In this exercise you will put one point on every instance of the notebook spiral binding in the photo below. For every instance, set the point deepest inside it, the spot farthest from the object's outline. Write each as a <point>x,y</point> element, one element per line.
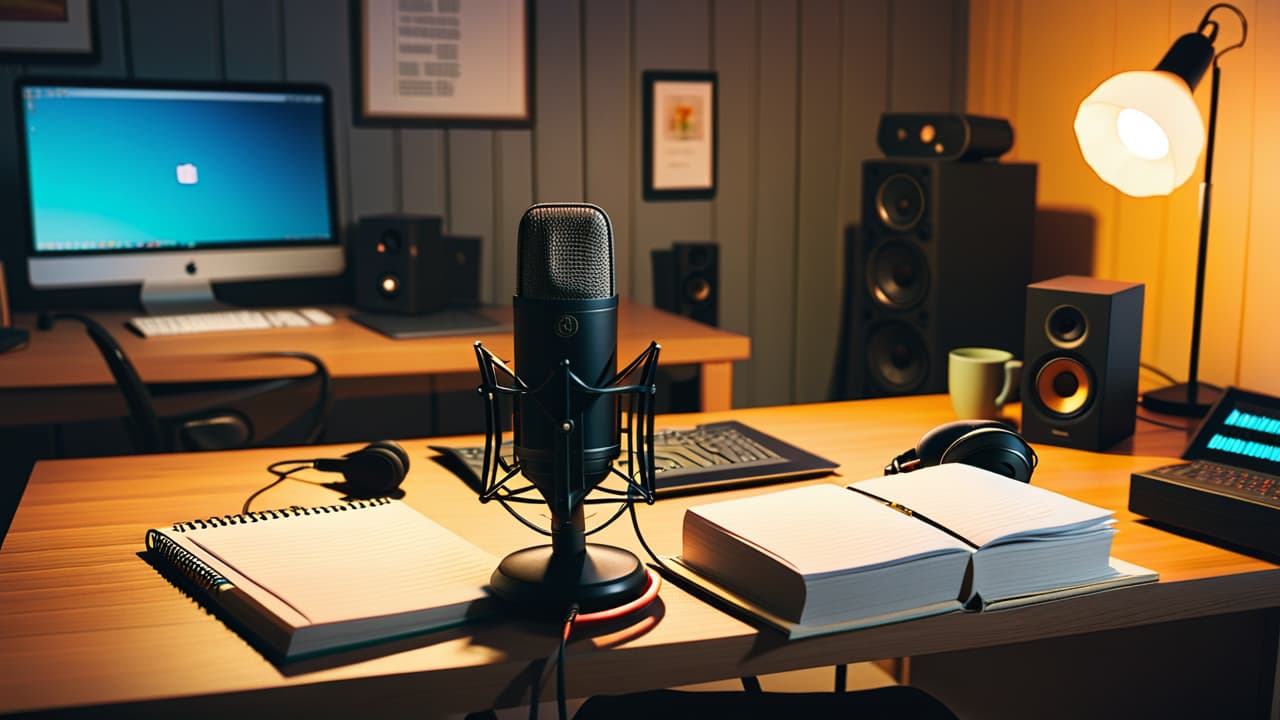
<point>192,567</point>
<point>278,513</point>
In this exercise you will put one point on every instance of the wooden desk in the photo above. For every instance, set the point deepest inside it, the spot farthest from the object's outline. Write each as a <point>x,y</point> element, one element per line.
<point>63,360</point>
<point>85,621</point>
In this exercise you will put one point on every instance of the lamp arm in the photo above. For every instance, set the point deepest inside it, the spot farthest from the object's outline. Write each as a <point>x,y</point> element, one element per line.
<point>1206,22</point>
<point>1193,370</point>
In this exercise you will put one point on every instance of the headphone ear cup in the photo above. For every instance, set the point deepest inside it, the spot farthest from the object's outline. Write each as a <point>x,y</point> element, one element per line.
<point>937,441</point>
<point>395,448</point>
<point>373,471</point>
<point>997,449</point>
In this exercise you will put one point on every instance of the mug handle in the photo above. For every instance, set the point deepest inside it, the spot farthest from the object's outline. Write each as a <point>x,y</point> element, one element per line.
<point>1012,379</point>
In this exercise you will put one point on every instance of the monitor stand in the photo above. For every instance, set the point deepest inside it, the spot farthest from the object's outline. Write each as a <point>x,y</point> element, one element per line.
<point>175,298</point>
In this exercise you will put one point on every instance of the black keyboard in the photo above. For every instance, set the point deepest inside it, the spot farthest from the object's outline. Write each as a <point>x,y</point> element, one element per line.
<point>681,452</point>
<point>1232,480</point>
<point>1221,502</point>
<point>1229,488</point>
<point>690,459</point>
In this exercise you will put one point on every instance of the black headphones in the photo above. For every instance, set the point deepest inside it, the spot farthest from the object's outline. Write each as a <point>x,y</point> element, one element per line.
<point>987,444</point>
<point>374,470</point>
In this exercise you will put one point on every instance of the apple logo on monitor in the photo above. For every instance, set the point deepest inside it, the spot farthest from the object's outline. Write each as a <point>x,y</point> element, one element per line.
<point>187,174</point>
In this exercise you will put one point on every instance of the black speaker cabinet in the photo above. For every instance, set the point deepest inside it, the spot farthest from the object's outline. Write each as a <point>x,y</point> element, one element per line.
<point>943,136</point>
<point>942,260</point>
<point>686,281</point>
<point>1080,372</point>
<point>401,265</point>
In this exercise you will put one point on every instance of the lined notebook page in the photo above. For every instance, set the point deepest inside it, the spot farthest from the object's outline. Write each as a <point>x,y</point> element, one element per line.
<point>826,528</point>
<point>357,563</point>
<point>983,506</point>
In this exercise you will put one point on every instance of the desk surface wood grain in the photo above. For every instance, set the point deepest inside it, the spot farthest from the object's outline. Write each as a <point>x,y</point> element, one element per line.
<point>84,620</point>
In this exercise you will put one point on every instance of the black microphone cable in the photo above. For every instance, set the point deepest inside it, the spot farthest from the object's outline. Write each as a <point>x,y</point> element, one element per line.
<point>573,616</point>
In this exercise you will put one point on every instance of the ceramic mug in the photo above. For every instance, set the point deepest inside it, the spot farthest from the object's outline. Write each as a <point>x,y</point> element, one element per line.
<point>981,380</point>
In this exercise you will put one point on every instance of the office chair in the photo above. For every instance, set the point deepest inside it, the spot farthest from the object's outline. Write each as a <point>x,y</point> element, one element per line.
<point>204,417</point>
<point>895,702</point>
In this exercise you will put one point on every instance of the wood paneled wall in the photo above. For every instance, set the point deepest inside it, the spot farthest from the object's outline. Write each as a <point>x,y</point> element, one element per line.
<point>802,86</point>
<point>1033,62</point>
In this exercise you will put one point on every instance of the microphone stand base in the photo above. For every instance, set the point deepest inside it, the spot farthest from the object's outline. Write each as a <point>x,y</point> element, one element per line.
<point>540,582</point>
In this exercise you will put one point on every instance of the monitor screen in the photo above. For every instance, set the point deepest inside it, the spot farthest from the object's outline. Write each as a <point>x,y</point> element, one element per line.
<point>176,184</point>
<point>1242,430</point>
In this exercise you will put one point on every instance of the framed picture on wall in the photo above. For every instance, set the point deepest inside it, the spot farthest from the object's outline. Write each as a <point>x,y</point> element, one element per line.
<point>679,135</point>
<point>443,63</point>
<point>42,31</point>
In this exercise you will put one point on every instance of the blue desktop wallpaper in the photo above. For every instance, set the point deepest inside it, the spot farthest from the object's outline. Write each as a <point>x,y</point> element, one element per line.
<point>105,173</point>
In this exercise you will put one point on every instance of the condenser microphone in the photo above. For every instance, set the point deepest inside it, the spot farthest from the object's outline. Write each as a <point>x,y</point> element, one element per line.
<point>567,414</point>
<point>565,312</point>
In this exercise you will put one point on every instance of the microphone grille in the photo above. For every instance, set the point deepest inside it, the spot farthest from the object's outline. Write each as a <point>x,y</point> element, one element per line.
<point>565,253</point>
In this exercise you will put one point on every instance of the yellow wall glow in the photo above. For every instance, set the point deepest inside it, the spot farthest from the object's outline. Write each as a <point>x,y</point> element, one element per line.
<point>1033,62</point>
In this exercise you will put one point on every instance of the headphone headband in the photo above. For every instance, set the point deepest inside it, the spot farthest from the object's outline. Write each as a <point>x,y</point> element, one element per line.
<point>986,444</point>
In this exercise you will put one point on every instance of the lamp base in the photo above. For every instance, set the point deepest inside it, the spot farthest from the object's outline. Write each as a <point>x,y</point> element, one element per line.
<point>539,582</point>
<point>1178,399</point>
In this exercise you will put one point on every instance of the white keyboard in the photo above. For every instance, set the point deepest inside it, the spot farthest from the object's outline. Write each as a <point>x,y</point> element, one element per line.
<point>228,321</point>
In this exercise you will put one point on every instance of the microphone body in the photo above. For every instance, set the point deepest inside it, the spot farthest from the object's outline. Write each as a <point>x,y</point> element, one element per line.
<point>549,333</point>
<point>566,343</point>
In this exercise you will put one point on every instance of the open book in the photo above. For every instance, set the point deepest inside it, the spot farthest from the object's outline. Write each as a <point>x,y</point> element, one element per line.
<point>825,558</point>
<point>308,580</point>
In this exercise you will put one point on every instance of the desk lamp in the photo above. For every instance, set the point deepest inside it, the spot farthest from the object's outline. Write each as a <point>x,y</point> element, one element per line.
<point>1141,132</point>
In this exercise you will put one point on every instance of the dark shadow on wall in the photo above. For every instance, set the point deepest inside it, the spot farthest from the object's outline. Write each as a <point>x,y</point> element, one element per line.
<point>1064,243</point>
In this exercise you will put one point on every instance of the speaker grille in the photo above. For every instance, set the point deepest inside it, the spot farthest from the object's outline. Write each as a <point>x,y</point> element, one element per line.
<point>565,253</point>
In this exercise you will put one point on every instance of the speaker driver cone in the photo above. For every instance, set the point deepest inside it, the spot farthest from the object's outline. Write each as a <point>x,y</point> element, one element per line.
<point>697,289</point>
<point>1063,386</point>
<point>897,357</point>
<point>897,275</point>
<point>1066,326</point>
<point>900,202</point>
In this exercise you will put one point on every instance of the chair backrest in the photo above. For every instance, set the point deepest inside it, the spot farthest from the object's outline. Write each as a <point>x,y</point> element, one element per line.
<point>198,417</point>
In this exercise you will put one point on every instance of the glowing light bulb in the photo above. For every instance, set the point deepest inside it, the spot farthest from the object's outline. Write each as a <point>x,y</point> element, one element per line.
<point>1141,135</point>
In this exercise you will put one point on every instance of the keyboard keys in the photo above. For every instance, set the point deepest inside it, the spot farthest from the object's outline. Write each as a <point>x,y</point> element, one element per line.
<point>1234,480</point>
<point>228,321</point>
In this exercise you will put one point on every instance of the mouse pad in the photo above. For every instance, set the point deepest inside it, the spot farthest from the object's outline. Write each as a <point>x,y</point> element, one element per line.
<point>443,322</point>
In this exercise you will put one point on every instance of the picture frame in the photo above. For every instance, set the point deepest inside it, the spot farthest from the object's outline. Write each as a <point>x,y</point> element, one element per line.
<point>451,63</point>
<point>680,135</point>
<point>48,31</point>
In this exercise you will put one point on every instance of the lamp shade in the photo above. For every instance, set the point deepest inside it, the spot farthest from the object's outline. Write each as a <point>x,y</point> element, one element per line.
<point>1141,132</point>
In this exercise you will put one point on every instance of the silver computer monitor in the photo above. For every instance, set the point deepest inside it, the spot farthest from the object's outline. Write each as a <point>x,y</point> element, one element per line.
<point>176,185</point>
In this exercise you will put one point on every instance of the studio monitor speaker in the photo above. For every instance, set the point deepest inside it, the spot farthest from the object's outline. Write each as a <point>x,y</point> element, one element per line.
<point>1080,374</point>
<point>941,260</point>
<point>405,264</point>
<point>944,136</point>
<point>686,281</point>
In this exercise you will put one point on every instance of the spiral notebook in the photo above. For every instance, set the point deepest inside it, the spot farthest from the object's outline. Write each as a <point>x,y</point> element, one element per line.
<point>303,581</point>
